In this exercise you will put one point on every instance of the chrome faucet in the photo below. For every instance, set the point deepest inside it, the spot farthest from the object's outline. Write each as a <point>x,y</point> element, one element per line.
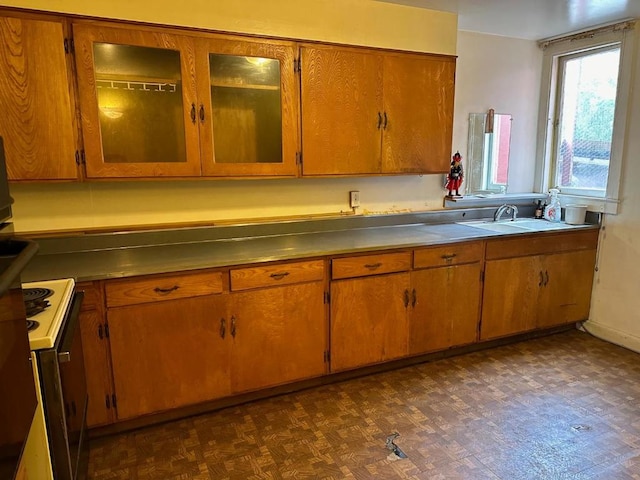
<point>508,209</point>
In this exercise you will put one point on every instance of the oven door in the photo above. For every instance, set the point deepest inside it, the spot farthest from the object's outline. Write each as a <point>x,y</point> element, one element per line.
<point>65,398</point>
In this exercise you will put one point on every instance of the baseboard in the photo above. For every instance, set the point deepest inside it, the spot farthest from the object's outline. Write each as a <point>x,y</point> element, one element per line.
<point>604,332</point>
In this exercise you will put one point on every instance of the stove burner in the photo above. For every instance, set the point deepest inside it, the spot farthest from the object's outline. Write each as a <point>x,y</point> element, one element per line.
<point>32,325</point>
<point>34,300</point>
<point>34,294</point>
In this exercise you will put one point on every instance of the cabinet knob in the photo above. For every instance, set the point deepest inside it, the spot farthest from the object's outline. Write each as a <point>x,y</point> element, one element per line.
<point>414,298</point>
<point>233,326</point>
<point>193,113</point>
<point>201,113</point>
<point>384,127</point>
<point>406,298</point>
<point>379,120</point>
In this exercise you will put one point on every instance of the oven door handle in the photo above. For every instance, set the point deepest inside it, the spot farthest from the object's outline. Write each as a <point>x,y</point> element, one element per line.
<point>72,322</point>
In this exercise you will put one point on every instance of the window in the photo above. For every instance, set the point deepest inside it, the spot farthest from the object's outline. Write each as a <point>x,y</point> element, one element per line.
<point>583,113</point>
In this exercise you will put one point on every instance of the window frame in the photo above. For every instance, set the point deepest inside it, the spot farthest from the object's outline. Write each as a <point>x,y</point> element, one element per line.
<point>554,51</point>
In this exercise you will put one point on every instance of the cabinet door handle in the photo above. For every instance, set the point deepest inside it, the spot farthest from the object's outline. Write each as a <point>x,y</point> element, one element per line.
<point>379,120</point>
<point>414,298</point>
<point>233,326</point>
<point>193,113</point>
<point>541,278</point>
<point>406,298</point>
<point>202,113</point>
<point>107,401</point>
<point>279,276</point>
<point>164,291</point>
<point>384,127</point>
<point>223,327</point>
<point>546,278</point>
<point>373,266</point>
<point>100,335</point>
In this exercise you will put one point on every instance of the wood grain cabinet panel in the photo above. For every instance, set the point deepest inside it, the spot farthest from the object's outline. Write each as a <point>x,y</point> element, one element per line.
<point>453,254</point>
<point>418,113</point>
<point>97,356</point>
<point>365,265</point>
<point>539,288</point>
<point>37,123</point>
<point>341,111</point>
<point>159,288</point>
<point>373,112</point>
<point>445,307</point>
<point>274,275</point>
<point>369,320</point>
<point>280,335</point>
<point>169,354</point>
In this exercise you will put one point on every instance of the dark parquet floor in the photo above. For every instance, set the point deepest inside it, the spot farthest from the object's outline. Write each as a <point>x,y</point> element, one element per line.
<point>560,407</point>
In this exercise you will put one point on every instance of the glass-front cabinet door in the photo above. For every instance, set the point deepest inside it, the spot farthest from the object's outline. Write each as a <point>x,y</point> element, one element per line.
<point>138,102</point>
<point>248,113</point>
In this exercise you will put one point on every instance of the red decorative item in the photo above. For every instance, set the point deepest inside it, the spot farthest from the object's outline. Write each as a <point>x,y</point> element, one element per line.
<point>455,176</point>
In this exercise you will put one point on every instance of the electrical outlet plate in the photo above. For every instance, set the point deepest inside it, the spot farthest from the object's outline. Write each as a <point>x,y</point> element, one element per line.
<point>354,198</point>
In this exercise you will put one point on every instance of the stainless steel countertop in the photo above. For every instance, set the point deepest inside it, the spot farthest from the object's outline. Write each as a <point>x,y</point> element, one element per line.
<point>95,257</point>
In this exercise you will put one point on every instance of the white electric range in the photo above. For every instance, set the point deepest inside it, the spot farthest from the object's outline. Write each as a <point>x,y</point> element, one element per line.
<point>58,452</point>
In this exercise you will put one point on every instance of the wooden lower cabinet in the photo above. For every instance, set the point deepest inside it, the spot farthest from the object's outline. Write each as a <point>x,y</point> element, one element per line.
<point>369,320</point>
<point>169,354</point>
<point>567,291</point>
<point>526,292</point>
<point>510,299</point>
<point>280,335</point>
<point>97,356</point>
<point>445,307</point>
<point>174,353</point>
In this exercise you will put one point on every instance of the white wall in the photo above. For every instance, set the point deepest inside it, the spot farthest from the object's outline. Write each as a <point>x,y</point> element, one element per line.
<point>504,74</point>
<point>482,60</point>
<point>615,305</point>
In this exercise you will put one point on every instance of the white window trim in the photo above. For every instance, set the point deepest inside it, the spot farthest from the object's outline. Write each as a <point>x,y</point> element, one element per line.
<point>623,34</point>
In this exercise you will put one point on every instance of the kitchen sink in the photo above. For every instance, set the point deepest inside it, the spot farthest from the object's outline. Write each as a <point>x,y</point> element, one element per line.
<point>514,226</point>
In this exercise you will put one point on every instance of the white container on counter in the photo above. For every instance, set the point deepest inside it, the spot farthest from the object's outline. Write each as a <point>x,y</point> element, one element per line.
<point>575,214</point>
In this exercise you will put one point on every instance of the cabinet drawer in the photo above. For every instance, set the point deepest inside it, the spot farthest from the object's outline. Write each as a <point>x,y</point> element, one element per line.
<point>443,256</point>
<point>370,265</point>
<point>272,275</point>
<point>541,244</point>
<point>153,289</point>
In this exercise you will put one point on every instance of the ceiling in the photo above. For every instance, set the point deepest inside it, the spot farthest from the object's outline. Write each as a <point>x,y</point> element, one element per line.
<point>531,19</point>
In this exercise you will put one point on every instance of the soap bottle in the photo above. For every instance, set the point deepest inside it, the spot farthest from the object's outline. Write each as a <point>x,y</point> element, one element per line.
<point>553,211</point>
<point>538,212</point>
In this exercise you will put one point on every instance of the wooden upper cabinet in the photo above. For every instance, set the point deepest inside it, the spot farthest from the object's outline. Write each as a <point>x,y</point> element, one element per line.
<point>373,112</point>
<point>341,111</point>
<point>418,113</point>
<point>248,107</point>
<point>138,101</point>
<point>37,122</point>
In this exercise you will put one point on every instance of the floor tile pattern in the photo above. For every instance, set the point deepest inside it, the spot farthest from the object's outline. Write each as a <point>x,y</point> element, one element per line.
<point>560,407</point>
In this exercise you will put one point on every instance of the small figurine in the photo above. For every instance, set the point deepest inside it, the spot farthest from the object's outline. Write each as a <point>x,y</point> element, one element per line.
<point>456,174</point>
